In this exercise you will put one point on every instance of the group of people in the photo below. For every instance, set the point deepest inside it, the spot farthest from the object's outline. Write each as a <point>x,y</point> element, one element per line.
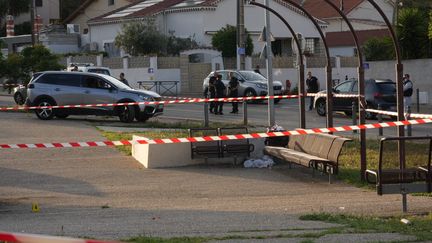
<point>217,89</point>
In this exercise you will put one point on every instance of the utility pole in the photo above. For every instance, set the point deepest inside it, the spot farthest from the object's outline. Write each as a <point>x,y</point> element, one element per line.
<point>269,63</point>
<point>241,46</point>
<point>32,22</point>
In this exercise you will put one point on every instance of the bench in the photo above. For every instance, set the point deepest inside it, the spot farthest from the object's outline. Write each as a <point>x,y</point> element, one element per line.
<point>219,149</point>
<point>316,151</point>
<point>403,179</point>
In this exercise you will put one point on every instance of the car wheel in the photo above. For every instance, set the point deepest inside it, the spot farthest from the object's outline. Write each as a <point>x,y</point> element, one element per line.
<point>126,113</point>
<point>321,107</point>
<point>47,113</point>
<point>250,93</point>
<point>142,117</point>
<point>277,101</point>
<point>19,99</point>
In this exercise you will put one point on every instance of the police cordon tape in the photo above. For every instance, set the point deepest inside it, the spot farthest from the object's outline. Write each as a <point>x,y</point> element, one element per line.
<point>33,238</point>
<point>393,113</point>
<point>192,100</point>
<point>216,138</point>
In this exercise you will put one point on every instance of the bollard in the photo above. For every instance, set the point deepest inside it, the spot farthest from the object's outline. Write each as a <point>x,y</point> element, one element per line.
<point>380,130</point>
<point>245,116</point>
<point>407,117</point>
<point>354,114</point>
<point>206,114</point>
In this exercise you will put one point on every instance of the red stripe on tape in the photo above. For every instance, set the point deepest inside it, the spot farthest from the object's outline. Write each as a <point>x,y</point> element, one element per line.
<point>216,138</point>
<point>8,237</point>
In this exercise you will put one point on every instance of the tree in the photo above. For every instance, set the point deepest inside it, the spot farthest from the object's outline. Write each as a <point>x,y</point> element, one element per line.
<point>39,58</point>
<point>19,66</point>
<point>378,49</point>
<point>225,40</point>
<point>140,38</point>
<point>412,32</point>
<point>13,7</point>
<point>176,45</point>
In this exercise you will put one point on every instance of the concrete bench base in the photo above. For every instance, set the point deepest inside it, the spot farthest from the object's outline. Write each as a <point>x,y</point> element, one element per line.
<point>153,156</point>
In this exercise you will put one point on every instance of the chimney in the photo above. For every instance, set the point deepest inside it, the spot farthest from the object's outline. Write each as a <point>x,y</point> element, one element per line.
<point>10,26</point>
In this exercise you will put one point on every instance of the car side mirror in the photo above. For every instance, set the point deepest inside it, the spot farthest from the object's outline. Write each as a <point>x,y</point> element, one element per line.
<point>336,91</point>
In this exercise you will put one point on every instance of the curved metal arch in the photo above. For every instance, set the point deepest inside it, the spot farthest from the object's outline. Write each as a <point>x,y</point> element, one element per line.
<point>361,90</point>
<point>301,64</point>
<point>329,83</point>
<point>399,90</point>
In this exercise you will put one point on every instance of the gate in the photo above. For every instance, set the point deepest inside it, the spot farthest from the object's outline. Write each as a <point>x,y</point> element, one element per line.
<point>197,72</point>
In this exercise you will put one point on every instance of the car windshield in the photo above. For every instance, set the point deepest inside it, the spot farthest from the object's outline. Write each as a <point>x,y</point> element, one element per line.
<point>119,84</point>
<point>252,76</point>
<point>387,88</point>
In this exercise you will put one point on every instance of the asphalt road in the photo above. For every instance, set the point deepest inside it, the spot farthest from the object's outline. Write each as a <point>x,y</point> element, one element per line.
<point>101,193</point>
<point>286,115</point>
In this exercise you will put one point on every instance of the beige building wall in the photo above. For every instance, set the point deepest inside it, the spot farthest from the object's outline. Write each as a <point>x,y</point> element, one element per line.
<point>95,9</point>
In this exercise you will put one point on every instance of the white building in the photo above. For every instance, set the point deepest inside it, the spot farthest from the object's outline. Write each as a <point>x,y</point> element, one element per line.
<point>200,19</point>
<point>49,10</point>
<point>364,18</point>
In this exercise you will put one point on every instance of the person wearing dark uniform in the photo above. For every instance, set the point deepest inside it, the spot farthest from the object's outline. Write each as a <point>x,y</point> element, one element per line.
<point>210,92</point>
<point>233,92</point>
<point>220,93</point>
<point>312,87</point>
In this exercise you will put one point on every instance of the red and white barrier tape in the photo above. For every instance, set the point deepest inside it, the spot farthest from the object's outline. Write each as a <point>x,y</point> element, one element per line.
<point>191,100</point>
<point>11,85</point>
<point>177,97</point>
<point>33,238</point>
<point>393,113</point>
<point>216,138</point>
<point>195,100</point>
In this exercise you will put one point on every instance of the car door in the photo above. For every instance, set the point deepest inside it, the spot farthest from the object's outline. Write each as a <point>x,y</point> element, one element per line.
<point>341,103</point>
<point>65,88</point>
<point>96,90</point>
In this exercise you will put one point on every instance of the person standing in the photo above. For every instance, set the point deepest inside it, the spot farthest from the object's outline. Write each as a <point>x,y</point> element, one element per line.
<point>123,80</point>
<point>220,93</point>
<point>312,87</point>
<point>210,93</point>
<point>257,69</point>
<point>407,93</point>
<point>233,92</point>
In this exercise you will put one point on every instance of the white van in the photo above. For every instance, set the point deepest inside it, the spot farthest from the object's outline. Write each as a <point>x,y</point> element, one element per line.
<point>89,68</point>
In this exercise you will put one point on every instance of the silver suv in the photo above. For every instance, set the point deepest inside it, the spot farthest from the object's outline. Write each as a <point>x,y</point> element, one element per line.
<point>76,88</point>
<point>251,83</point>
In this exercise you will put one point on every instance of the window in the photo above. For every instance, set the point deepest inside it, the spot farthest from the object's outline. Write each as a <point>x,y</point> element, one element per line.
<point>61,79</point>
<point>309,46</point>
<point>110,2</point>
<point>95,83</point>
<point>344,87</point>
<point>38,3</point>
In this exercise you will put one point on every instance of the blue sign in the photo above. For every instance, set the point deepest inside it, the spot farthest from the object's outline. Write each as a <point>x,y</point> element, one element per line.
<point>241,51</point>
<point>150,70</point>
<point>366,65</point>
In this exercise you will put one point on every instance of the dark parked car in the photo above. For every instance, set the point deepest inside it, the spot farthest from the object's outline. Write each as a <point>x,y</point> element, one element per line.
<point>380,92</point>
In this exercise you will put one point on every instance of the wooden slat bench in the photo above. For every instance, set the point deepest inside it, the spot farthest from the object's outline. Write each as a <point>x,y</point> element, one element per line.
<point>316,151</point>
<point>219,149</point>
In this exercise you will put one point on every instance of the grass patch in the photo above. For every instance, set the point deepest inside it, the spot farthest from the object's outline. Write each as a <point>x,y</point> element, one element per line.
<point>420,227</point>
